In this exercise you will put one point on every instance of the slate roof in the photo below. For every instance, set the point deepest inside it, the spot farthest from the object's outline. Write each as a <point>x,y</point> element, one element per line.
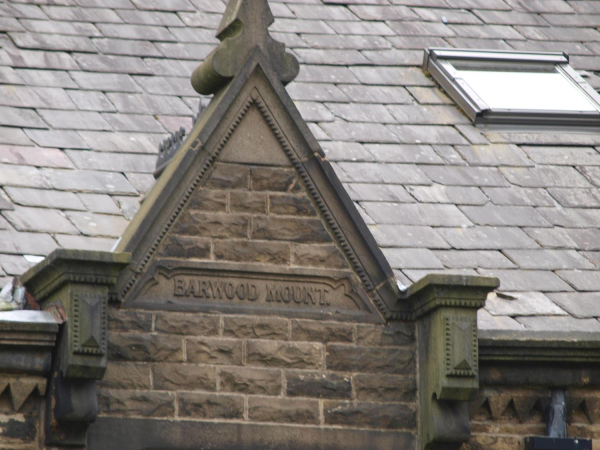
<point>88,89</point>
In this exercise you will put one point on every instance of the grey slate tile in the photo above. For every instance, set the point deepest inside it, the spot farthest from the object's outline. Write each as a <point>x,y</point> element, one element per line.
<point>544,138</point>
<point>473,259</point>
<point>429,115</point>
<point>566,323</point>
<point>591,173</point>
<point>579,304</point>
<point>10,76</point>
<point>52,42</point>
<point>541,6</point>
<point>516,196</point>
<point>301,26</point>
<point>486,32</point>
<point>201,19</point>
<point>487,238</point>
<point>121,4</point>
<point>91,224</point>
<point>576,198</point>
<point>193,52</point>
<point>13,136</point>
<point>34,156</point>
<point>150,104</point>
<point>572,217</point>
<point>133,122</point>
<point>421,29</point>
<point>112,64</point>
<point>417,274</point>
<point>394,57</point>
<point>383,12</point>
<point>74,120</point>
<point>150,18</point>
<point>559,33</point>
<point>319,12</point>
<point>39,220</point>
<point>528,280</point>
<point>26,243</point>
<point>37,59</point>
<point>129,206</point>
<point>520,216</point>
<point>571,48</point>
<point>314,112</point>
<point>70,28</point>
<point>389,173</point>
<point>465,176</point>
<point>581,280</point>
<point>137,32</point>
<point>90,101</point>
<point>393,76</point>
<point>345,151</point>
<point>325,74</point>
<point>449,155</point>
<point>412,258</point>
<point>195,35</point>
<point>548,259</point>
<point>24,176</point>
<point>347,42</point>
<point>163,5</point>
<point>485,321</point>
<point>568,20</point>
<point>427,134</point>
<point>407,237</point>
<point>426,214</point>
<point>447,16</point>
<point>142,182</point>
<point>330,56</point>
<point>378,193</point>
<point>112,162</point>
<point>551,237</point>
<point>494,155</point>
<point>122,142</point>
<point>88,181</point>
<point>5,201</point>
<point>35,97</point>
<point>85,242</point>
<point>375,94</point>
<point>392,153</point>
<point>364,113</point>
<point>166,85</point>
<point>47,78</point>
<point>594,257</point>
<point>474,43</point>
<point>170,68</point>
<point>358,132</point>
<point>522,304</point>
<point>567,156</point>
<point>585,239</point>
<point>44,198</point>
<point>56,138</point>
<point>81,14</point>
<point>19,117</point>
<point>457,195</point>
<point>111,82</point>
<point>427,96</point>
<point>361,28</point>
<point>417,42</point>
<point>510,18</point>
<point>555,176</point>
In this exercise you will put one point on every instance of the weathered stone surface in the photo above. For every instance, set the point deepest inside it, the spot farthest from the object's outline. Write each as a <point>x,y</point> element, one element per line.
<point>144,347</point>
<point>136,403</point>
<point>296,355</point>
<point>246,380</point>
<point>307,330</point>
<point>185,247</point>
<point>255,328</point>
<point>347,358</point>
<point>127,376</point>
<point>369,415</point>
<point>289,229</point>
<point>396,333</point>
<point>252,251</point>
<point>384,388</point>
<point>208,200</point>
<point>248,202</point>
<point>187,324</point>
<point>283,410</point>
<point>318,256</point>
<point>228,176</point>
<point>212,225</point>
<point>291,205</point>
<point>318,384</point>
<point>124,320</point>
<point>214,351</point>
<point>188,377</point>
<point>274,179</point>
<point>211,406</point>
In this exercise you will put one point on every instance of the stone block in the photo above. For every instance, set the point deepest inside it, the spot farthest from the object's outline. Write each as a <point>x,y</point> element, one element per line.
<point>274,179</point>
<point>185,247</point>
<point>184,377</point>
<point>283,410</point>
<point>296,355</point>
<point>187,324</point>
<point>312,255</point>
<point>126,376</point>
<point>394,334</point>
<point>349,358</point>
<point>212,225</point>
<point>228,176</point>
<point>289,229</point>
<point>248,202</point>
<point>252,251</point>
<point>125,320</point>
<point>369,415</point>
<point>210,406</point>
<point>255,328</point>
<point>318,384</point>
<point>144,347</point>
<point>214,351</point>
<point>208,201</point>
<point>307,330</point>
<point>136,403</point>
<point>289,205</point>
<point>384,388</point>
<point>245,380</point>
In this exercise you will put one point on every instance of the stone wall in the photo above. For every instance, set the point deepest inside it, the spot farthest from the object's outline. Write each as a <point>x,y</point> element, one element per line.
<point>21,427</point>
<point>260,369</point>
<point>502,416</point>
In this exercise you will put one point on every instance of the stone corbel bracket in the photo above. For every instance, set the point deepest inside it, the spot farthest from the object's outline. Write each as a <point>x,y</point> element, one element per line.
<point>78,283</point>
<point>445,308</point>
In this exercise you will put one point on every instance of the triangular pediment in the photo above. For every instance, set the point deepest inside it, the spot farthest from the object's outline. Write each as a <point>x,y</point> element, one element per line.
<point>249,217</point>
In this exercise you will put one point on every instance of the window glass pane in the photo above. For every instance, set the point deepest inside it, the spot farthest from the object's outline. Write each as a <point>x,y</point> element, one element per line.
<point>526,91</point>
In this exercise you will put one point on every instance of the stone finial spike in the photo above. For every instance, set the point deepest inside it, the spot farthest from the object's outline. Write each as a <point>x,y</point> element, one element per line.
<point>243,28</point>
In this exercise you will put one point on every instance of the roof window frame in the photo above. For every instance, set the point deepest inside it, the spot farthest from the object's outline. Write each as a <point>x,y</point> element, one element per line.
<point>438,62</point>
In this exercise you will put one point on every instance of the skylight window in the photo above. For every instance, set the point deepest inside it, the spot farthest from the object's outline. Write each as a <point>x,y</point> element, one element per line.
<point>516,88</point>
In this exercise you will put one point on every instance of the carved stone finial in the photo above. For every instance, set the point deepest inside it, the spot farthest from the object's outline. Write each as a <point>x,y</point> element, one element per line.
<point>244,27</point>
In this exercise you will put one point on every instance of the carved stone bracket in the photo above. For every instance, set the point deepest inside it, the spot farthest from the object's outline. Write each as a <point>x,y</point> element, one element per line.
<point>445,308</point>
<point>77,283</point>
